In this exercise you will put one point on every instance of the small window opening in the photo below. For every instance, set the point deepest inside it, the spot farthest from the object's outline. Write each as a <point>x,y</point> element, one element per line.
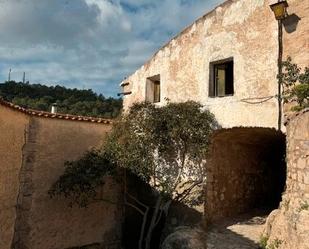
<point>221,78</point>
<point>153,89</point>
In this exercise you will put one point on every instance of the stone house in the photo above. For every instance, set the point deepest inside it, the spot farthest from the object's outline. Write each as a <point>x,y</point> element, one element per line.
<point>33,148</point>
<point>228,61</point>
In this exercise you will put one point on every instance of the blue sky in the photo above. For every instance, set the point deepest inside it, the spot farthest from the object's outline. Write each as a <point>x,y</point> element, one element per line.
<point>88,43</point>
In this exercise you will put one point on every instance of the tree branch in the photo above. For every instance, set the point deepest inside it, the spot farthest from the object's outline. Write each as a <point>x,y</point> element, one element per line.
<point>187,191</point>
<point>137,201</point>
<point>135,207</point>
<point>158,218</point>
<point>107,200</point>
<point>183,160</point>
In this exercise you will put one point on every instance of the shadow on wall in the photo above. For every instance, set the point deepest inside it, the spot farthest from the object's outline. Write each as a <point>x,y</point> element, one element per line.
<point>291,22</point>
<point>178,215</point>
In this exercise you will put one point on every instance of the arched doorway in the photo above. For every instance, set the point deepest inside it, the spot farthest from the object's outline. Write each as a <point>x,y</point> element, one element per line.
<point>246,170</point>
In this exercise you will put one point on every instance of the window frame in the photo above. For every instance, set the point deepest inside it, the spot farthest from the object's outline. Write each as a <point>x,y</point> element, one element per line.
<point>157,87</point>
<point>153,84</point>
<point>212,86</point>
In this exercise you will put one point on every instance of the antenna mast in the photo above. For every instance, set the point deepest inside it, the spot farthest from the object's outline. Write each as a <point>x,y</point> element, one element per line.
<point>9,79</point>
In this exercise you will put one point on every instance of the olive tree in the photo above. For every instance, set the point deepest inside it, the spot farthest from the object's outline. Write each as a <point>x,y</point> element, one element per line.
<point>165,146</point>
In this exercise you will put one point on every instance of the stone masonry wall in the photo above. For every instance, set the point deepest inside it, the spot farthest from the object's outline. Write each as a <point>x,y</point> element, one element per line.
<point>289,225</point>
<point>244,171</point>
<point>49,223</point>
<point>13,131</point>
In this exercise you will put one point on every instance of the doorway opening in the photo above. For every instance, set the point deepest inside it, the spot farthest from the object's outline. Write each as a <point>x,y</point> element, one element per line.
<point>246,171</point>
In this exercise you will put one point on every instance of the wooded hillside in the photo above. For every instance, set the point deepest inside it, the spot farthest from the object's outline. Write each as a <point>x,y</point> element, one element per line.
<point>70,101</point>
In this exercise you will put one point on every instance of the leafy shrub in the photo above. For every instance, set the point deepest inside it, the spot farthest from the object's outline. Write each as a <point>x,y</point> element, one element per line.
<point>296,84</point>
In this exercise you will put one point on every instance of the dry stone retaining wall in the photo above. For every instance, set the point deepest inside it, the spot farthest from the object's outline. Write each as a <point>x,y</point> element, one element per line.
<point>289,225</point>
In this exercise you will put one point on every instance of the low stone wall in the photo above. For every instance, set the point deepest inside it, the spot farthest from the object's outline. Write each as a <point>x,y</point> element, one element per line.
<point>288,226</point>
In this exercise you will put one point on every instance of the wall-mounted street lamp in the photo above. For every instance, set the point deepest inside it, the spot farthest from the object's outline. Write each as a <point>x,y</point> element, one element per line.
<point>280,11</point>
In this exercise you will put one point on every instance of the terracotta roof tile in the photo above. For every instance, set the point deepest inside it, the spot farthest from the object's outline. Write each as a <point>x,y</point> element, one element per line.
<point>53,115</point>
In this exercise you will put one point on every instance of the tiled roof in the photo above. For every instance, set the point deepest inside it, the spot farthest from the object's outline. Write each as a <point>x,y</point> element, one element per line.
<point>43,114</point>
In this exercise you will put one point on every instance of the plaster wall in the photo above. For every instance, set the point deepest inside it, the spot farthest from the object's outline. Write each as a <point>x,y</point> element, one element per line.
<point>13,126</point>
<point>242,29</point>
<point>296,33</point>
<point>296,37</point>
<point>50,223</point>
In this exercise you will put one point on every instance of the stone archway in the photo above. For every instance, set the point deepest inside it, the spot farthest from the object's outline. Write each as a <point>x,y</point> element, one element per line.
<point>246,170</point>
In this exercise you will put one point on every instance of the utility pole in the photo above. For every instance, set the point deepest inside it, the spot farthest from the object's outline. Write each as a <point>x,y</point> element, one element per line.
<point>9,78</point>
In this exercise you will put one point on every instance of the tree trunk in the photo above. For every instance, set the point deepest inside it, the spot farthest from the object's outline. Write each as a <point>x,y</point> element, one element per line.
<point>165,210</point>
<point>141,236</point>
<point>153,222</point>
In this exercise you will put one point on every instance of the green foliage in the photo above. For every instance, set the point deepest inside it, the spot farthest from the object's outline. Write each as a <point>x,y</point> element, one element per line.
<point>70,101</point>
<point>263,242</point>
<point>274,244</point>
<point>166,146</point>
<point>296,84</point>
<point>81,178</point>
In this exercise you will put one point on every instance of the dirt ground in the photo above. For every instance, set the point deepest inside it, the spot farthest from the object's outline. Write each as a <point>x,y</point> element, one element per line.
<point>241,232</point>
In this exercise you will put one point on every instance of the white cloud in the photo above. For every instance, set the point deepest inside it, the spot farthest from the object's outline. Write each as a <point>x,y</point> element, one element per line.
<point>87,43</point>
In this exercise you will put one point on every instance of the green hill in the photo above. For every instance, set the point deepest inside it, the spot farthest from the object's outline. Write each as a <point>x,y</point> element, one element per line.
<point>70,101</point>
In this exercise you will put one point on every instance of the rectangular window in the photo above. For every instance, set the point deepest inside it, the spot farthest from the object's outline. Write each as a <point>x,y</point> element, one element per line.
<point>221,81</point>
<point>156,91</point>
<point>153,89</point>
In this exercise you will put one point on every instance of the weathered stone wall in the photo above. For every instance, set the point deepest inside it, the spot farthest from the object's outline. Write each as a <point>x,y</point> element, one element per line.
<point>290,224</point>
<point>245,170</point>
<point>243,29</point>
<point>13,128</point>
<point>49,223</point>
